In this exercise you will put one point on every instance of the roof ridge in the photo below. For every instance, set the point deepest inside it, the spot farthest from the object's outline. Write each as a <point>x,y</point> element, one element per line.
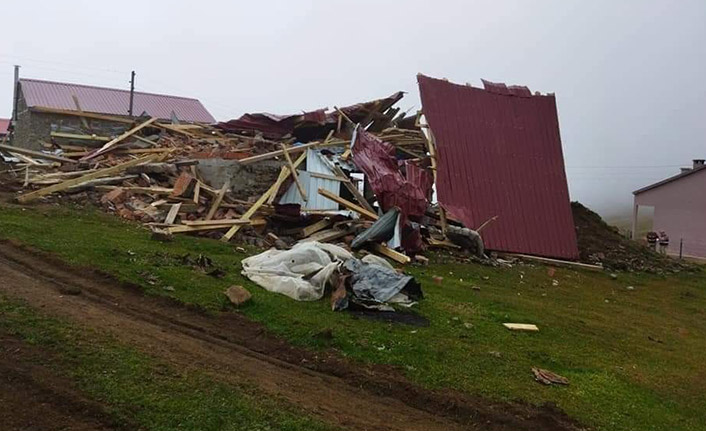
<point>668,180</point>
<point>107,88</point>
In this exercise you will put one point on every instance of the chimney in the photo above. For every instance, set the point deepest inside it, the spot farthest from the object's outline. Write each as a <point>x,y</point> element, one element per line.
<point>699,163</point>
<point>685,170</point>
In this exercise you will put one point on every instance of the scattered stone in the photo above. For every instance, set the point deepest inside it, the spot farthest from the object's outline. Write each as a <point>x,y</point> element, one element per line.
<point>475,287</point>
<point>238,295</point>
<point>630,288</point>
<point>422,260</point>
<point>614,276</point>
<point>495,354</point>
<point>468,325</point>
<point>555,283</point>
<point>114,197</point>
<point>240,249</point>
<point>168,288</point>
<point>438,279</point>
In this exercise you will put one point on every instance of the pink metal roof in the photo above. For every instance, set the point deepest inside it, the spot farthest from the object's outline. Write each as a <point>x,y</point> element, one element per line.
<point>499,154</point>
<point>111,101</point>
<point>4,124</point>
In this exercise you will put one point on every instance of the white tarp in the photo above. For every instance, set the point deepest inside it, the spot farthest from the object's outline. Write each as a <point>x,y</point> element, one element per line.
<point>300,273</point>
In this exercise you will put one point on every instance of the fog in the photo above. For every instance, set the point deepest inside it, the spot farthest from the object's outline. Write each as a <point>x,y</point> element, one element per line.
<point>629,76</point>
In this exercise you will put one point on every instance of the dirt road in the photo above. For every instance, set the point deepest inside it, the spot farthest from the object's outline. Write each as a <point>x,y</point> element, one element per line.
<point>234,349</point>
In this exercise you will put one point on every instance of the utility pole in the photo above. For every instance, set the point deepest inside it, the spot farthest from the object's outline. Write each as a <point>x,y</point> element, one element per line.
<point>16,93</point>
<point>132,91</point>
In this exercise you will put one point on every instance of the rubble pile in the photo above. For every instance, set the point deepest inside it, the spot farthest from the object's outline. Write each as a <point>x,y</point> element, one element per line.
<point>600,243</point>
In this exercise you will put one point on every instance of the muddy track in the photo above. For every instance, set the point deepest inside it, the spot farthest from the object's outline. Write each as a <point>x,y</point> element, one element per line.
<point>235,349</point>
<point>32,398</point>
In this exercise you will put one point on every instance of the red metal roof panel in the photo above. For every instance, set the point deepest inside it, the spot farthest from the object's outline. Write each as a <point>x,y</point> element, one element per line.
<point>111,101</point>
<point>499,154</point>
<point>4,125</point>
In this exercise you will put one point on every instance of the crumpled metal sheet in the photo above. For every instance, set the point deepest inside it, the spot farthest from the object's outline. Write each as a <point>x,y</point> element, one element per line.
<point>382,230</point>
<point>377,161</point>
<point>272,126</point>
<point>419,176</point>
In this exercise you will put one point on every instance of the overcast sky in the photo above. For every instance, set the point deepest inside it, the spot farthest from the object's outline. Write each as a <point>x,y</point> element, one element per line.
<point>630,76</point>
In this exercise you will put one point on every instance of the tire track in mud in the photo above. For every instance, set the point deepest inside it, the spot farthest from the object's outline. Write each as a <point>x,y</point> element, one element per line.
<point>234,349</point>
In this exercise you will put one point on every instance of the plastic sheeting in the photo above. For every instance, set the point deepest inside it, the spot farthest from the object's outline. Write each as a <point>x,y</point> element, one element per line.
<point>300,273</point>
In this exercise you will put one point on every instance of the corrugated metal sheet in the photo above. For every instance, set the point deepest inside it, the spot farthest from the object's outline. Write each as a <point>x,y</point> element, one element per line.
<point>111,101</point>
<point>500,155</point>
<point>315,201</point>
<point>376,159</point>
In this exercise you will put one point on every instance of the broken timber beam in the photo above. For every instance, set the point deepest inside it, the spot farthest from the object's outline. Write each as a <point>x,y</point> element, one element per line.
<point>111,143</point>
<point>217,199</point>
<point>80,137</point>
<point>82,179</point>
<point>284,173</point>
<point>291,150</point>
<point>348,204</point>
<point>555,262</point>
<point>37,154</point>
<point>392,254</point>
<point>293,170</point>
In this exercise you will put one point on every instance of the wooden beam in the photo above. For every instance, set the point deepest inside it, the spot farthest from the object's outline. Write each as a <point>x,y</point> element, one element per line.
<point>392,254</point>
<point>327,235</point>
<point>111,143</point>
<point>172,215</point>
<point>313,228</point>
<point>230,222</point>
<point>174,129</point>
<point>282,177</point>
<point>293,170</point>
<point>284,173</point>
<point>81,114</point>
<point>327,177</point>
<point>348,204</point>
<point>82,179</point>
<point>353,189</point>
<point>197,191</point>
<point>521,327</point>
<point>187,228</point>
<point>153,190</point>
<point>556,262</point>
<point>217,199</point>
<point>37,154</point>
<point>80,137</point>
<point>291,150</point>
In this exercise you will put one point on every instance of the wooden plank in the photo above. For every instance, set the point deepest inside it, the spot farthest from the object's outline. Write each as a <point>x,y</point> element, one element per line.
<point>392,254</point>
<point>556,262</point>
<point>82,114</point>
<point>175,129</point>
<point>282,177</point>
<point>284,173</point>
<point>187,228</point>
<point>521,327</point>
<point>80,137</point>
<point>197,192</point>
<point>446,243</point>
<point>326,177</point>
<point>172,215</point>
<point>313,228</point>
<point>37,154</point>
<point>217,200</point>
<point>111,143</point>
<point>293,170</point>
<point>153,190</point>
<point>353,189</point>
<point>327,235</point>
<point>348,204</point>
<point>82,179</point>
<point>291,150</point>
<point>231,222</point>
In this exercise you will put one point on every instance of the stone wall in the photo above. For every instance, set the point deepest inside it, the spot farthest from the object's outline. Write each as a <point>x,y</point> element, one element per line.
<point>245,180</point>
<point>34,127</point>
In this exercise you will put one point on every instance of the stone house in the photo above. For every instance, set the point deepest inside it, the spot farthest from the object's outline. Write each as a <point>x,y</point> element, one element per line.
<point>39,105</point>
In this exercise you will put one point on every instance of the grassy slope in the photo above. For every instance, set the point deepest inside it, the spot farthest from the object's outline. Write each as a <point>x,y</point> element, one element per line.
<point>142,392</point>
<point>593,330</point>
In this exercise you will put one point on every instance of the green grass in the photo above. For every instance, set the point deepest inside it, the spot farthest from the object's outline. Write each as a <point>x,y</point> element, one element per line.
<point>592,329</point>
<point>141,391</point>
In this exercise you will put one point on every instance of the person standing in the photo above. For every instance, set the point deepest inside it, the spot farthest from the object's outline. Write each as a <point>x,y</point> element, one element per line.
<point>663,242</point>
<point>652,240</point>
